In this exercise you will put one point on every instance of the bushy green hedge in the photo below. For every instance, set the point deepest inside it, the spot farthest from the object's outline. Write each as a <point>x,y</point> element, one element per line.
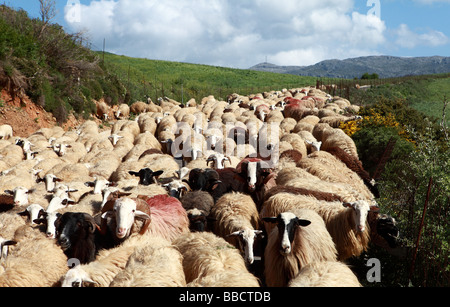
<point>61,73</point>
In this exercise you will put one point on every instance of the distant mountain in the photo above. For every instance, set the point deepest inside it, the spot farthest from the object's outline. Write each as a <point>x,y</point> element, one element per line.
<point>384,66</point>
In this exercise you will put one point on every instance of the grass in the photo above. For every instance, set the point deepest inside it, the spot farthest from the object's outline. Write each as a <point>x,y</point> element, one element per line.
<point>183,81</point>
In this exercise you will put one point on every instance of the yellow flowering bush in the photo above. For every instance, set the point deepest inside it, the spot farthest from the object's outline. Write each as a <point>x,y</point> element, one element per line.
<point>375,119</point>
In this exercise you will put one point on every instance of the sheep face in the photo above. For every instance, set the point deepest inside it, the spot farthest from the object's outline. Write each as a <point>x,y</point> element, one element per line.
<point>175,188</point>
<point>20,195</point>
<point>146,176</point>
<point>219,160</point>
<point>287,223</point>
<point>246,241</point>
<point>49,219</point>
<point>50,181</point>
<point>99,185</point>
<point>75,234</point>
<point>33,212</point>
<point>361,210</point>
<point>125,212</point>
<point>4,247</point>
<point>76,278</point>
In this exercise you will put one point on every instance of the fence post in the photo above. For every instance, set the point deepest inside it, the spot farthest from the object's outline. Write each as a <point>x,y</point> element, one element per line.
<point>420,228</point>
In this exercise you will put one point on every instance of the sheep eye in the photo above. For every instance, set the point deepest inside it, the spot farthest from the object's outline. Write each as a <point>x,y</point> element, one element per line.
<point>76,284</point>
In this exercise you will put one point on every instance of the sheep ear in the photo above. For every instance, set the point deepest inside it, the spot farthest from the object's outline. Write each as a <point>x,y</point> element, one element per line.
<point>142,215</point>
<point>133,173</point>
<point>89,281</point>
<point>272,220</point>
<point>303,223</point>
<point>236,233</point>
<point>23,213</point>
<point>158,173</point>
<point>258,232</point>
<point>348,205</point>
<point>374,208</point>
<point>9,192</point>
<point>31,191</point>
<point>107,214</point>
<point>90,184</point>
<point>10,242</point>
<point>39,221</point>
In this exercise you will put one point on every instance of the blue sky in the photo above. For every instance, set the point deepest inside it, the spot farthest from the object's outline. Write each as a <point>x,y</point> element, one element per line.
<point>242,33</point>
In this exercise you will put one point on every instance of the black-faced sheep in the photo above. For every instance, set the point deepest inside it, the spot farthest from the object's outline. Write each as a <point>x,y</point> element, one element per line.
<point>198,205</point>
<point>76,234</point>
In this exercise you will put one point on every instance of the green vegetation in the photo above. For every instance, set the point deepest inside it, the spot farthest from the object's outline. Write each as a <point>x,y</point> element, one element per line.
<point>416,176</point>
<point>183,81</point>
<point>366,76</point>
<point>52,67</point>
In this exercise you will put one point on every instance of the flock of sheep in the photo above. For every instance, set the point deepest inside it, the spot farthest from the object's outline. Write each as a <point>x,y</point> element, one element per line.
<point>258,190</point>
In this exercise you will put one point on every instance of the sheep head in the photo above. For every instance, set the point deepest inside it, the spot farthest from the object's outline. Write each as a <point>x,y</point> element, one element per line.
<point>361,210</point>
<point>287,223</point>
<point>125,211</point>
<point>247,238</point>
<point>76,278</point>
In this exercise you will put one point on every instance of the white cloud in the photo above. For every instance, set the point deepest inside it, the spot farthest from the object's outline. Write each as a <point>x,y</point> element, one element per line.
<point>231,33</point>
<point>406,38</point>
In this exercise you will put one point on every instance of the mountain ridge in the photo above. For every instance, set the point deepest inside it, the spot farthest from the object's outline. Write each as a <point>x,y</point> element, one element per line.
<point>385,66</point>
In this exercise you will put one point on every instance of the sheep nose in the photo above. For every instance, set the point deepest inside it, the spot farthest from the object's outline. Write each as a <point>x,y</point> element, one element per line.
<point>361,228</point>
<point>49,235</point>
<point>121,232</point>
<point>63,242</point>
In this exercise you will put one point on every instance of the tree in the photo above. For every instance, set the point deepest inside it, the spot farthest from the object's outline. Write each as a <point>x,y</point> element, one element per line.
<point>47,10</point>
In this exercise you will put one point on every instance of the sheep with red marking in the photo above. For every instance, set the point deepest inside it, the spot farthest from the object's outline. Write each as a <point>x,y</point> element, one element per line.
<point>164,216</point>
<point>236,219</point>
<point>300,238</point>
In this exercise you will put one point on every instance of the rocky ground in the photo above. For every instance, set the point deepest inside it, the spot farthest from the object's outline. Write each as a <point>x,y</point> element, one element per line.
<point>25,117</point>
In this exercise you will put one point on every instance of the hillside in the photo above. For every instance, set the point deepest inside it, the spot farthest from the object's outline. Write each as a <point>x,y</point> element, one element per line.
<point>183,81</point>
<point>384,66</point>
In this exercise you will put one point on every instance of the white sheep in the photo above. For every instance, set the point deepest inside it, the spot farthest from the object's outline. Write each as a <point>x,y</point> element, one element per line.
<point>209,261</point>
<point>108,263</point>
<point>156,264</point>
<point>34,261</point>
<point>123,111</point>
<point>6,132</point>
<point>329,168</point>
<point>237,221</point>
<point>325,274</point>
